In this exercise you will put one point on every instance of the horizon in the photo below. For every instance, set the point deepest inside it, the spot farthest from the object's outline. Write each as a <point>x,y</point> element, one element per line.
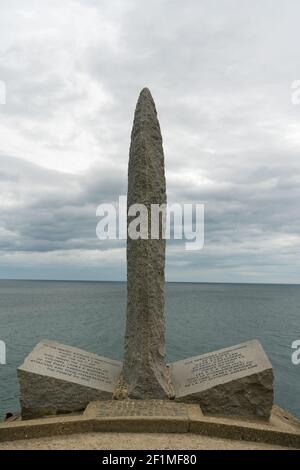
<point>166,281</point>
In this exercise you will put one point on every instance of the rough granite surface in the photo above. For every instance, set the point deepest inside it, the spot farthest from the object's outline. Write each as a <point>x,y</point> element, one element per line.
<point>42,395</point>
<point>250,396</point>
<point>145,370</point>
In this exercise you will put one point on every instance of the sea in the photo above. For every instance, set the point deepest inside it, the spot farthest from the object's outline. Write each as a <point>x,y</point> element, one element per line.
<point>200,318</point>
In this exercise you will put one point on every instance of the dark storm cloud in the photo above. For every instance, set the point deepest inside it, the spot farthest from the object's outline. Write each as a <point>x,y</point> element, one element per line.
<point>221,75</point>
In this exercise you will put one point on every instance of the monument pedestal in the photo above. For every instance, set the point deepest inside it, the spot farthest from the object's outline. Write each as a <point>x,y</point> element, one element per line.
<point>154,416</point>
<point>235,381</point>
<point>144,415</point>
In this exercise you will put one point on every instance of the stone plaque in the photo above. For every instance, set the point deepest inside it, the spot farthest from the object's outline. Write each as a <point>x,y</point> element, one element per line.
<point>56,378</point>
<point>235,380</point>
<point>208,370</point>
<point>142,408</point>
<point>72,364</point>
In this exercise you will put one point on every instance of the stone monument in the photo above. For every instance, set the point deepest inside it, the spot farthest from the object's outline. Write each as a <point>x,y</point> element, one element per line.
<point>144,368</point>
<point>55,378</point>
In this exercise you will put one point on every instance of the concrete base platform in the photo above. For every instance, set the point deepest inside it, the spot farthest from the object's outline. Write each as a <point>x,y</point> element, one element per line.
<point>109,417</point>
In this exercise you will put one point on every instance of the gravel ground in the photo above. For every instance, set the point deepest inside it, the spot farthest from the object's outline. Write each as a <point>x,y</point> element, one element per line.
<point>127,441</point>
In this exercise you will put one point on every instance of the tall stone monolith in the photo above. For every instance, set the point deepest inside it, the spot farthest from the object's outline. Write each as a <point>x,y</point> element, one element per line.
<point>144,369</point>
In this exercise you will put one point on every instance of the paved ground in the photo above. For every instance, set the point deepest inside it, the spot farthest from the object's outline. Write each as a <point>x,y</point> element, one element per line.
<point>127,441</point>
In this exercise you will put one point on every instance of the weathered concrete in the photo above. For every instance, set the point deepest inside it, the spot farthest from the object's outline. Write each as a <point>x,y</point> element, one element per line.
<point>144,369</point>
<point>282,430</point>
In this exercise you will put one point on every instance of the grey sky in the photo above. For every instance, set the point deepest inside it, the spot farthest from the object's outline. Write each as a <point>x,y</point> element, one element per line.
<point>221,75</point>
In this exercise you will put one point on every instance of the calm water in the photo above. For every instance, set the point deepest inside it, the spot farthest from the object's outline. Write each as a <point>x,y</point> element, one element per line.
<point>200,318</point>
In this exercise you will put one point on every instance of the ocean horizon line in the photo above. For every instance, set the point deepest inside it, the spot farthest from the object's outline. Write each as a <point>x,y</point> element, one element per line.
<point>167,282</point>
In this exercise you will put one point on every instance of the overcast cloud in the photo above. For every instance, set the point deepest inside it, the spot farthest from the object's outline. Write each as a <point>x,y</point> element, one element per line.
<point>221,74</point>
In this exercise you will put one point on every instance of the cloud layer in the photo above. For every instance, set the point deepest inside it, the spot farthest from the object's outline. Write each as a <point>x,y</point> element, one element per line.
<point>221,75</point>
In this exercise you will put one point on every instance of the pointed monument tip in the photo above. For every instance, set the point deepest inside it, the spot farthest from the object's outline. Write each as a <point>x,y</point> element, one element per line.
<point>145,92</point>
<point>145,103</point>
